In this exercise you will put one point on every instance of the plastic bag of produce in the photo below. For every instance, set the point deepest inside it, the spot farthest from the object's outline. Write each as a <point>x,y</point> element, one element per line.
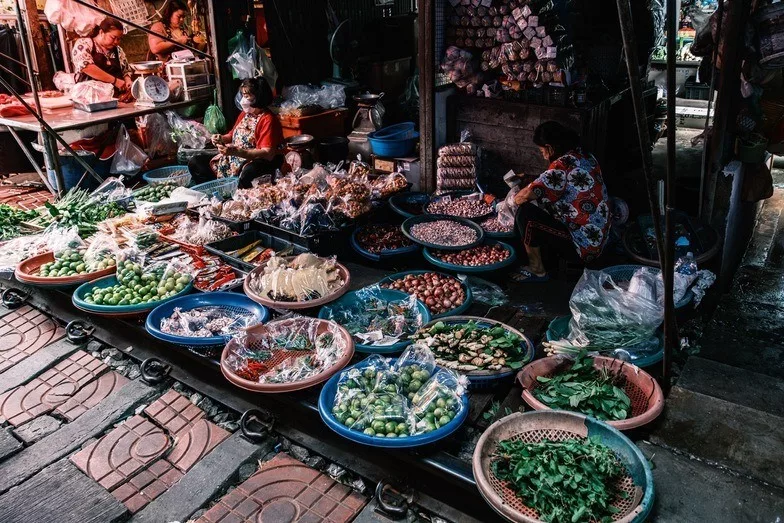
<point>214,120</point>
<point>15,251</point>
<point>188,134</point>
<point>206,322</point>
<point>157,135</point>
<point>438,402</point>
<point>129,157</point>
<point>363,378</point>
<point>111,190</point>
<point>385,415</point>
<point>65,241</point>
<point>102,253</point>
<point>411,370</point>
<point>92,92</point>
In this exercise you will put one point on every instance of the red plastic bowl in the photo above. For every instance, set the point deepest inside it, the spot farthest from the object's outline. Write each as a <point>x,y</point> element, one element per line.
<point>645,393</point>
<point>25,273</point>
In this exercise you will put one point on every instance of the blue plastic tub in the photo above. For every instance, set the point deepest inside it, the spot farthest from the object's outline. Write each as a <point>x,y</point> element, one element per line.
<point>327,400</point>
<point>469,299</point>
<point>409,223</point>
<point>349,300</point>
<point>396,132</point>
<point>559,329</point>
<point>383,255</point>
<point>427,253</point>
<point>222,188</point>
<point>395,148</point>
<point>108,281</point>
<point>231,301</point>
<point>73,171</point>
<point>179,174</point>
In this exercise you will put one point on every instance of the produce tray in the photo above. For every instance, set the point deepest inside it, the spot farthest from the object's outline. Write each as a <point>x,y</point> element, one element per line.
<point>488,378</point>
<point>429,256</point>
<point>417,199</point>
<point>24,273</point>
<point>327,401</point>
<point>644,392</point>
<point>324,244</point>
<point>234,225</point>
<point>469,299</point>
<point>558,425</point>
<point>410,222</point>
<point>231,301</point>
<point>454,195</point>
<point>559,329</point>
<point>116,310</point>
<point>383,255</point>
<point>222,247</point>
<point>350,298</point>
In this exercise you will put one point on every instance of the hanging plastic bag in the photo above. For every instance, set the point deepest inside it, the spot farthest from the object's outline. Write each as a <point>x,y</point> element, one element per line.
<point>214,121</point>
<point>129,158</point>
<point>187,133</point>
<point>72,16</point>
<point>242,58</point>
<point>267,69</point>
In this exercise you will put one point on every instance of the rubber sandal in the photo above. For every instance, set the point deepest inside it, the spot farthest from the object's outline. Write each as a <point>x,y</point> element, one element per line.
<point>524,276</point>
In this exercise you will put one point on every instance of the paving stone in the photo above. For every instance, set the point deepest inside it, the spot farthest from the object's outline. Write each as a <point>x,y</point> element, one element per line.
<point>202,437</point>
<point>8,444</point>
<point>71,436</point>
<point>123,452</point>
<point>147,485</point>
<point>174,412</point>
<point>91,395</point>
<point>60,493</point>
<point>24,332</point>
<point>38,428</point>
<point>286,490</point>
<point>203,482</point>
<point>688,490</point>
<point>34,365</point>
<point>53,388</point>
<point>746,440</point>
<point>733,384</point>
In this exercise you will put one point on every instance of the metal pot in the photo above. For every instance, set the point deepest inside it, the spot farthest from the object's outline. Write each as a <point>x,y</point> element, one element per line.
<point>333,149</point>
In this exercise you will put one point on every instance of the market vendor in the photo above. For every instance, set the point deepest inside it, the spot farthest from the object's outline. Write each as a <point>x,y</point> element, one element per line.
<point>252,148</point>
<point>172,25</point>
<point>101,58</point>
<point>566,207</point>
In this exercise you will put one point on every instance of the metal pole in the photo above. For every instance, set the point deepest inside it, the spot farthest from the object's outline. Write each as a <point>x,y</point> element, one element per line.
<point>668,263</point>
<point>633,68</point>
<point>142,28</point>
<point>32,161</point>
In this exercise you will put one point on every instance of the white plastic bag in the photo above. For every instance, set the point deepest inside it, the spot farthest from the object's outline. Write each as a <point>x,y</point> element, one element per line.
<point>72,16</point>
<point>129,158</point>
<point>92,92</point>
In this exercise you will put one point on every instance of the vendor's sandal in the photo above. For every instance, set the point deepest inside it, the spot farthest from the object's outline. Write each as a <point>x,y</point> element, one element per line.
<point>526,276</point>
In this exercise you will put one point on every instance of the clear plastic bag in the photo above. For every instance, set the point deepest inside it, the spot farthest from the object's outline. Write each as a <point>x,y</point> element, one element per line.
<point>363,378</point>
<point>92,92</point>
<point>214,121</point>
<point>386,414</point>
<point>102,252</point>
<point>438,402</point>
<point>484,291</point>
<point>242,58</point>
<point>72,16</point>
<point>15,251</point>
<point>206,322</point>
<point>66,243</point>
<point>413,368</point>
<point>306,277</point>
<point>326,96</point>
<point>157,135</point>
<point>187,134</point>
<point>111,190</point>
<point>129,158</point>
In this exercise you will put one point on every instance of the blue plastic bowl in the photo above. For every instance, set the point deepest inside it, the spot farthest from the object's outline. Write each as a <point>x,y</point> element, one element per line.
<point>108,281</point>
<point>384,255</point>
<point>393,148</point>
<point>327,401</point>
<point>427,253</point>
<point>559,329</point>
<point>415,198</point>
<point>232,301</point>
<point>179,174</point>
<point>349,299</point>
<point>395,132</point>
<point>469,299</point>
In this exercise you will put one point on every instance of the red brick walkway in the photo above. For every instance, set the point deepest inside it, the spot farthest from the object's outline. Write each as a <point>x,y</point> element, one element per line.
<point>24,197</point>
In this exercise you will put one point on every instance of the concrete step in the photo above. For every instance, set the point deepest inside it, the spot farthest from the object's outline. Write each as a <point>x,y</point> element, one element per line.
<point>689,490</point>
<point>762,242</point>
<point>735,385</point>
<point>758,285</point>
<point>743,439</point>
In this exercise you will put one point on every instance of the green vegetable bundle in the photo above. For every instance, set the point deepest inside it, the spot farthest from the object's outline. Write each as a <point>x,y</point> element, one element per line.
<point>583,388</point>
<point>77,208</point>
<point>567,481</point>
<point>10,218</point>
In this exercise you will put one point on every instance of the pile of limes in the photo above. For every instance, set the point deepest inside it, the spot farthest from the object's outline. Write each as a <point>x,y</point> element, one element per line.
<point>68,263</point>
<point>137,286</point>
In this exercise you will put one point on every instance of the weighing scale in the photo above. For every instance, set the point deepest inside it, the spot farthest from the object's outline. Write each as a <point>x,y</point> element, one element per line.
<point>298,154</point>
<point>367,120</point>
<point>149,89</point>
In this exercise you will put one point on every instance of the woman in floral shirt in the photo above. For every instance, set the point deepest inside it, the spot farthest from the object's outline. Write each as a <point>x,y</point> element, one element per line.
<point>571,213</point>
<point>101,58</point>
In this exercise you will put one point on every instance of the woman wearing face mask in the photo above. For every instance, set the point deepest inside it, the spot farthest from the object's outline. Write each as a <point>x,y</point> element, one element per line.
<point>101,58</point>
<point>571,214</point>
<point>252,148</point>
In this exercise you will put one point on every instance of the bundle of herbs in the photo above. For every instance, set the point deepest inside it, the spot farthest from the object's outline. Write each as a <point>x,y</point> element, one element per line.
<point>576,480</point>
<point>582,388</point>
<point>10,218</point>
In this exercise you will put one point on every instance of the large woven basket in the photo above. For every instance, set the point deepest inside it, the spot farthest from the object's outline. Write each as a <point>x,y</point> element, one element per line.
<point>642,389</point>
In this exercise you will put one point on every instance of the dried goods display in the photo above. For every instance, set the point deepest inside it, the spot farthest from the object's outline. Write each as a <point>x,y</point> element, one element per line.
<point>255,253</point>
<point>470,345</point>
<point>195,232</point>
<point>469,206</point>
<point>493,225</point>
<point>439,292</point>
<point>447,233</point>
<point>456,166</point>
<point>475,256</point>
<point>379,238</point>
<point>303,278</point>
<point>206,322</point>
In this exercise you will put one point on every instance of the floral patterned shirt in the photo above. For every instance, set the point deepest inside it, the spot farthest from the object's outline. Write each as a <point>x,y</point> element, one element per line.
<point>82,55</point>
<point>572,191</point>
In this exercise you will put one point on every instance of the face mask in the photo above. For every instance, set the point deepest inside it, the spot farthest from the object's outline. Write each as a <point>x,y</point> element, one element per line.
<point>245,103</point>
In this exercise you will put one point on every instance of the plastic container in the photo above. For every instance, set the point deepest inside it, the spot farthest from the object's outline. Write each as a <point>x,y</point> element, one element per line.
<point>409,204</point>
<point>327,400</point>
<point>468,269</point>
<point>559,425</point>
<point>178,174</point>
<point>454,195</point>
<point>116,310</point>
<point>383,255</point>
<point>321,125</point>
<point>396,132</point>
<point>325,243</point>
<point>332,149</point>
<point>222,188</point>
<point>73,171</point>
<point>469,297</point>
<point>410,222</point>
<point>393,148</point>
<point>646,395</point>
<point>207,346</point>
<point>350,299</point>
<point>25,273</point>
<point>233,243</point>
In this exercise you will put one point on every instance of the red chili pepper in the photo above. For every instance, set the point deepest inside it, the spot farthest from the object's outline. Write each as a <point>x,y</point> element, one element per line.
<point>252,370</point>
<point>222,281</point>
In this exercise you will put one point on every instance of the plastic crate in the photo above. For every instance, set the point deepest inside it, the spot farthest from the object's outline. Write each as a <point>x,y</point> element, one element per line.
<point>324,244</point>
<point>322,125</point>
<point>222,188</point>
<point>697,92</point>
<point>222,247</point>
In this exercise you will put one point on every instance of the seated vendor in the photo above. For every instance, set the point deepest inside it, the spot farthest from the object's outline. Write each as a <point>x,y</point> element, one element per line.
<point>571,213</point>
<point>172,25</point>
<point>252,148</point>
<point>101,58</point>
